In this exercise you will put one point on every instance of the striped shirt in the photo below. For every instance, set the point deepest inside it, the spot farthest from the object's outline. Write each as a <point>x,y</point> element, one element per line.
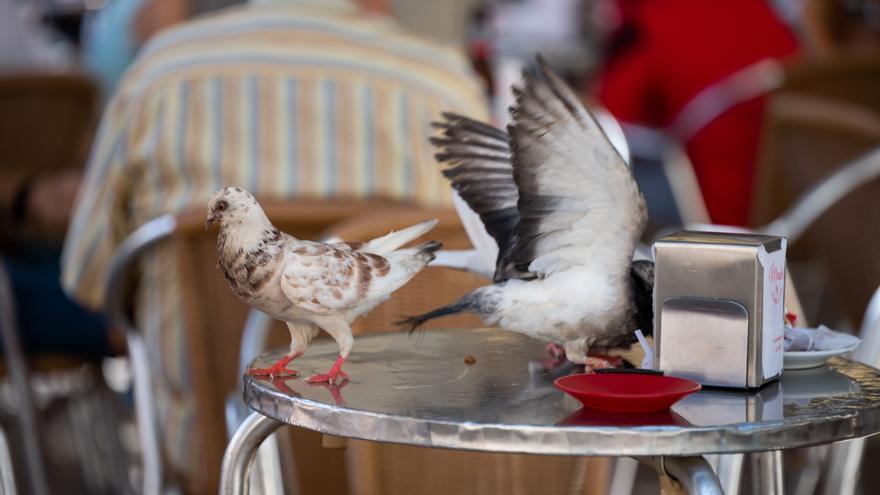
<point>285,99</point>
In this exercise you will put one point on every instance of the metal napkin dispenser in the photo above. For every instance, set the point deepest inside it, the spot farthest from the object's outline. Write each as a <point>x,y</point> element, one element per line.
<point>719,300</point>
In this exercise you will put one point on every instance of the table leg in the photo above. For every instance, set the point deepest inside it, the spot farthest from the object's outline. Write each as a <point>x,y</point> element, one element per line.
<point>767,473</point>
<point>693,473</point>
<point>241,450</point>
<point>729,471</point>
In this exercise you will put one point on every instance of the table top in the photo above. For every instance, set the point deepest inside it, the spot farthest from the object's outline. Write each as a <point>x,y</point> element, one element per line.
<point>419,390</point>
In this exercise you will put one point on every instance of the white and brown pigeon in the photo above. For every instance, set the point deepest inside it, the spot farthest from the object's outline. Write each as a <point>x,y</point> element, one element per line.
<point>566,214</point>
<point>309,285</point>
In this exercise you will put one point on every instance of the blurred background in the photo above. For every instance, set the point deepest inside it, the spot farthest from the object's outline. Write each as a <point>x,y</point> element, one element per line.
<point>748,113</point>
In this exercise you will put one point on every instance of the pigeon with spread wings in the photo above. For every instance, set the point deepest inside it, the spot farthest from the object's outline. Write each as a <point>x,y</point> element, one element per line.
<point>566,214</point>
<point>309,285</point>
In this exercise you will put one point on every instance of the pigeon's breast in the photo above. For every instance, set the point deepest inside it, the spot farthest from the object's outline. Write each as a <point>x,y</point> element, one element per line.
<point>249,273</point>
<point>561,310</point>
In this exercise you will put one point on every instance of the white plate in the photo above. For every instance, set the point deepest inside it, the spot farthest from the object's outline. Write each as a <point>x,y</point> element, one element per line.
<point>801,360</point>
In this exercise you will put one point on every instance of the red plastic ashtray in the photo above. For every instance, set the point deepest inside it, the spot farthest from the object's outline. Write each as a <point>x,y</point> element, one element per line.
<point>627,392</point>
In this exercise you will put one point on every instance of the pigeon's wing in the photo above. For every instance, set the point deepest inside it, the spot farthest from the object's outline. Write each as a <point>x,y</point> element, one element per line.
<point>326,278</point>
<point>578,202</point>
<point>477,158</point>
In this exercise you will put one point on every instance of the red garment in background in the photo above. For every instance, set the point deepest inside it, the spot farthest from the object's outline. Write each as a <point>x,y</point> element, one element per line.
<point>666,52</point>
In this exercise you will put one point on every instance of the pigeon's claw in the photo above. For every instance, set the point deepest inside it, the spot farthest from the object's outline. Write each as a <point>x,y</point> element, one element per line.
<point>331,376</point>
<point>557,356</point>
<point>598,361</point>
<point>277,369</point>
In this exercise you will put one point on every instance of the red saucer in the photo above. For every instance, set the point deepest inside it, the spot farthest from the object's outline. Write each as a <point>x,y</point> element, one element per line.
<point>627,393</point>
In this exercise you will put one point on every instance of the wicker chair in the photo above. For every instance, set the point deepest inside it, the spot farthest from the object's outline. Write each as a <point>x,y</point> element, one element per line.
<point>46,121</point>
<point>852,78</point>
<point>806,138</point>
<point>386,469</point>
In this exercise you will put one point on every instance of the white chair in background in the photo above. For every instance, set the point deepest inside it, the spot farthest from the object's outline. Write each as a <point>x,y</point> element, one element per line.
<point>118,293</point>
<point>21,379</point>
<point>119,290</point>
<point>7,475</point>
<point>845,458</point>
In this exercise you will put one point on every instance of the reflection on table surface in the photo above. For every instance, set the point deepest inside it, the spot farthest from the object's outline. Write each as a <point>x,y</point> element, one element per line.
<point>425,376</point>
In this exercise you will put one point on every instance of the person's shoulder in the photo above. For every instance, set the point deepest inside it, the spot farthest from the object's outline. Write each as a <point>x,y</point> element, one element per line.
<point>407,43</point>
<point>174,49</point>
<point>193,31</point>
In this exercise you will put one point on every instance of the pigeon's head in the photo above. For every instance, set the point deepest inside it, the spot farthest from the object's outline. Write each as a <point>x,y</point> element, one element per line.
<point>232,204</point>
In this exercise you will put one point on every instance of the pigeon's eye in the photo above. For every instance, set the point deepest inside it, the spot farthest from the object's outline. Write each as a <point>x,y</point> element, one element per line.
<point>221,205</point>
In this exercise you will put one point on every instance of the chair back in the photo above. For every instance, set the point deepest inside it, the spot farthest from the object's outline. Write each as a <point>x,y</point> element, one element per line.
<point>7,475</point>
<point>851,78</point>
<point>45,121</point>
<point>806,139</point>
<point>385,469</point>
<point>869,351</point>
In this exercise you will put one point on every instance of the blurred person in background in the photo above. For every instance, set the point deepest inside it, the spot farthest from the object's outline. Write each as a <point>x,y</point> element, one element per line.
<point>666,52</point>
<point>35,205</point>
<point>26,44</point>
<point>288,99</point>
<point>34,212</point>
<point>113,34</point>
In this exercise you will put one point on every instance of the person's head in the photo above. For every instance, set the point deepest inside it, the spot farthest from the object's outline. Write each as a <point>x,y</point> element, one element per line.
<point>156,15</point>
<point>375,6</point>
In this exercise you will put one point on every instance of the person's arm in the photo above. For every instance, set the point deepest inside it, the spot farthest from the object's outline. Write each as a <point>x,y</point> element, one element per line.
<point>99,220</point>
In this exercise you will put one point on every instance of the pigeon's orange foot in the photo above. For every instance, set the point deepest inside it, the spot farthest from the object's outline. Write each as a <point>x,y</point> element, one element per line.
<point>601,361</point>
<point>333,375</point>
<point>604,360</point>
<point>277,369</point>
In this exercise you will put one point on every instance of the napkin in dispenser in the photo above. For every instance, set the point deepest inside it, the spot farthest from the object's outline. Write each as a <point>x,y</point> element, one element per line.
<point>718,300</point>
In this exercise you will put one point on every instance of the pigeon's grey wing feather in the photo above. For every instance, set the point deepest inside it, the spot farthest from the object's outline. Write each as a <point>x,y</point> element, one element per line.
<point>328,278</point>
<point>578,202</point>
<point>642,278</point>
<point>477,159</point>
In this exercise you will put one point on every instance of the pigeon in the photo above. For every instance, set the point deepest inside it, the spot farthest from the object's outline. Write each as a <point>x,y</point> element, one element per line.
<point>566,214</point>
<point>309,285</point>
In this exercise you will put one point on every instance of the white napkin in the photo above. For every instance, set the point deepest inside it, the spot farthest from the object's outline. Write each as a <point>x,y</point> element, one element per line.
<point>818,339</point>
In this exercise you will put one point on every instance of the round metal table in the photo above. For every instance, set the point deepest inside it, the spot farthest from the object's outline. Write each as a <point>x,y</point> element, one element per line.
<point>426,390</point>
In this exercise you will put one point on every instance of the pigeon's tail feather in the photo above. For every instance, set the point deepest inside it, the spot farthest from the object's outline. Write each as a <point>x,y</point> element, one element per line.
<point>394,240</point>
<point>412,323</point>
<point>428,250</point>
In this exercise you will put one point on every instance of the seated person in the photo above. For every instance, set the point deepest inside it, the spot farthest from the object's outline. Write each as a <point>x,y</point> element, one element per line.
<point>286,99</point>
<point>665,53</point>
<point>35,207</point>
<point>34,212</point>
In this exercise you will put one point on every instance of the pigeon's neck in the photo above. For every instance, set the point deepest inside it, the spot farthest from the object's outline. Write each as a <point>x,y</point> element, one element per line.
<point>247,234</point>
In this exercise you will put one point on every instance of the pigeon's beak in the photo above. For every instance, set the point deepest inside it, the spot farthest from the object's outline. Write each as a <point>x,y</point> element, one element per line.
<point>210,220</point>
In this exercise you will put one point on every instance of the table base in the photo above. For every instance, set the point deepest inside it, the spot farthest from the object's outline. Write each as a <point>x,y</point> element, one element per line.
<point>692,473</point>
